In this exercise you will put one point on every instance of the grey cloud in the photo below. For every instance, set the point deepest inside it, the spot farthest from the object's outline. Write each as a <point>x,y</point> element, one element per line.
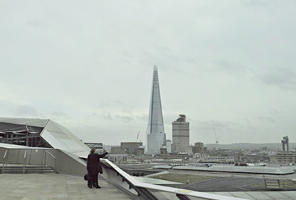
<point>123,117</point>
<point>143,117</point>
<point>27,111</point>
<point>94,63</point>
<point>36,24</point>
<point>233,67</point>
<point>19,110</point>
<point>214,124</point>
<point>279,76</point>
<point>257,2</point>
<point>111,104</point>
<point>268,119</point>
<point>106,116</point>
<point>59,114</point>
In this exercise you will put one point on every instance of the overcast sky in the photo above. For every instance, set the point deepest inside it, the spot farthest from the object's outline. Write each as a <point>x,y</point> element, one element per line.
<point>229,65</point>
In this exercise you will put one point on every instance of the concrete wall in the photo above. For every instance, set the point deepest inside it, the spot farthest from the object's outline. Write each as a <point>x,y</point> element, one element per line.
<point>67,163</point>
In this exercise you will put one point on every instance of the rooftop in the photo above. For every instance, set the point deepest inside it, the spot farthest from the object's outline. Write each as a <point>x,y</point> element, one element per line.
<point>54,187</point>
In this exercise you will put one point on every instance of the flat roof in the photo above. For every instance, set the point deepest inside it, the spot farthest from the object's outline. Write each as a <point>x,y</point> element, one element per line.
<point>233,169</point>
<point>55,186</point>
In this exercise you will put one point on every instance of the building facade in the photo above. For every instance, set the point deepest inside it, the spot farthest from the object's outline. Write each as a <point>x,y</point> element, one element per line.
<point>130,147</point>
<point>155,130</point>
<point>198,147</point>
<point>116,150</point>
<point>180,135</point>
<point>169,145</point>
<point>97,146</point>
<point>284,157</point>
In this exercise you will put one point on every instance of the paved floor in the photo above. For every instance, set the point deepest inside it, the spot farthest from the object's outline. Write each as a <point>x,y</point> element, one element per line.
<point>54,187</point>
<point>287,195</point>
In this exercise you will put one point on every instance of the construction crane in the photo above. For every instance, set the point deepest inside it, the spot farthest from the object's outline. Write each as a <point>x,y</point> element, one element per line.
<point>138,136</point>
<point>215,134</point>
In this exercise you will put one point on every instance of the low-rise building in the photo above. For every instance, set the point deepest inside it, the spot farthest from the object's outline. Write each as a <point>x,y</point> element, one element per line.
<point>140,151</point>
<point>130,147</point>
<point>198,148</point>
<point>169,145</point>
<point>116,150</point>
<point>284,157</point>
<point>163,150</point>
<point>97,146</point>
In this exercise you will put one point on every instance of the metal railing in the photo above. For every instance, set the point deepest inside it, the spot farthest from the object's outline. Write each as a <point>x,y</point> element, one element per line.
<point>148,191</point>
<point>4,160</point>
<point>24,157</point>
<point>24,163</point>
<point>52,156</point>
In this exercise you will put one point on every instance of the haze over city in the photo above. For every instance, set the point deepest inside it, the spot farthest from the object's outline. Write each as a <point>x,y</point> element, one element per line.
<point>227,65</point>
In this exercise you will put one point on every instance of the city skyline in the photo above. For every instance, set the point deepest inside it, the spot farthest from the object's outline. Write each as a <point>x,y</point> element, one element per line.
<point>229,66</point>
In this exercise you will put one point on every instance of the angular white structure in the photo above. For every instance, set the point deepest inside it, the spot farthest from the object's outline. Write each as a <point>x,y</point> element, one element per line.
<point>40,133</point>
<point>155,130</point>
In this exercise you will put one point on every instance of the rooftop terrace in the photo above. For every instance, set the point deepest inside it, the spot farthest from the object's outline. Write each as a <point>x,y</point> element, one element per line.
<point>54,187</point>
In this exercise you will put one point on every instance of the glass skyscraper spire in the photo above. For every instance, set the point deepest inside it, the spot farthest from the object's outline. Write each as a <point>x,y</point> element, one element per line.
<point>155,130</point>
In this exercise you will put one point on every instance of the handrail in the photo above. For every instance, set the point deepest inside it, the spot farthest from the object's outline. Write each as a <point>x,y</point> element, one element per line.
<point>51,155</point>
<point>25,156</point>
<point>55,159</point>
<point>134,183</point>
<point>4,156</point>
<point>30,156</point>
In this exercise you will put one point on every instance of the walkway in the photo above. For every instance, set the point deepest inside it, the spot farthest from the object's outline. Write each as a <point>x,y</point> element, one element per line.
<point>54,187</point>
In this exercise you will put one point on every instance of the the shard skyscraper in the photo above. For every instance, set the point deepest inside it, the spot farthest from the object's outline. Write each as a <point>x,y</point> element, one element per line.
<point>155,130</point>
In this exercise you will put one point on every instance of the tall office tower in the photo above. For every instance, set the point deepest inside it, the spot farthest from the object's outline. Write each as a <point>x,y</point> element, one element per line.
<point>155,130</point>
<point>180,135</point>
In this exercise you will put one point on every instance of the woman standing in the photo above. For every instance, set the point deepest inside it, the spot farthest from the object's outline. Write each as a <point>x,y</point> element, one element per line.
<point>94,167</point>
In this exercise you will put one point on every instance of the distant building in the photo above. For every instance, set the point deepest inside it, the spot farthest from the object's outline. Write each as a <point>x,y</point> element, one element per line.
<point>198,147</point>
<point>116,150</point>
<point>284,157</point>
<point>130,147</point>
<point>96,146</point>
<point>118,158</point>
<point>140,151</point>
<point>219,159</point>
<point>169,145</point>
<point>285,143</point>
<point>155,131</point>
<point>107,148</point>
<point>163,150</point>
<point>180,135</point>
<point>127,148</point>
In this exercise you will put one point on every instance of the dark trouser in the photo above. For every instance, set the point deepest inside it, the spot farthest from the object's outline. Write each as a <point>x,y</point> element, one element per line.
<point>92,180</point>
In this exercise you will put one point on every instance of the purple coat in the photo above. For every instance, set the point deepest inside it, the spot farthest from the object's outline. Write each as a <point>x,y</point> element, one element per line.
<point>94,164</point>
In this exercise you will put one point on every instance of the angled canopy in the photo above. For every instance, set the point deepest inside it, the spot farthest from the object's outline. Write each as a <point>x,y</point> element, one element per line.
<point>54,134</point>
